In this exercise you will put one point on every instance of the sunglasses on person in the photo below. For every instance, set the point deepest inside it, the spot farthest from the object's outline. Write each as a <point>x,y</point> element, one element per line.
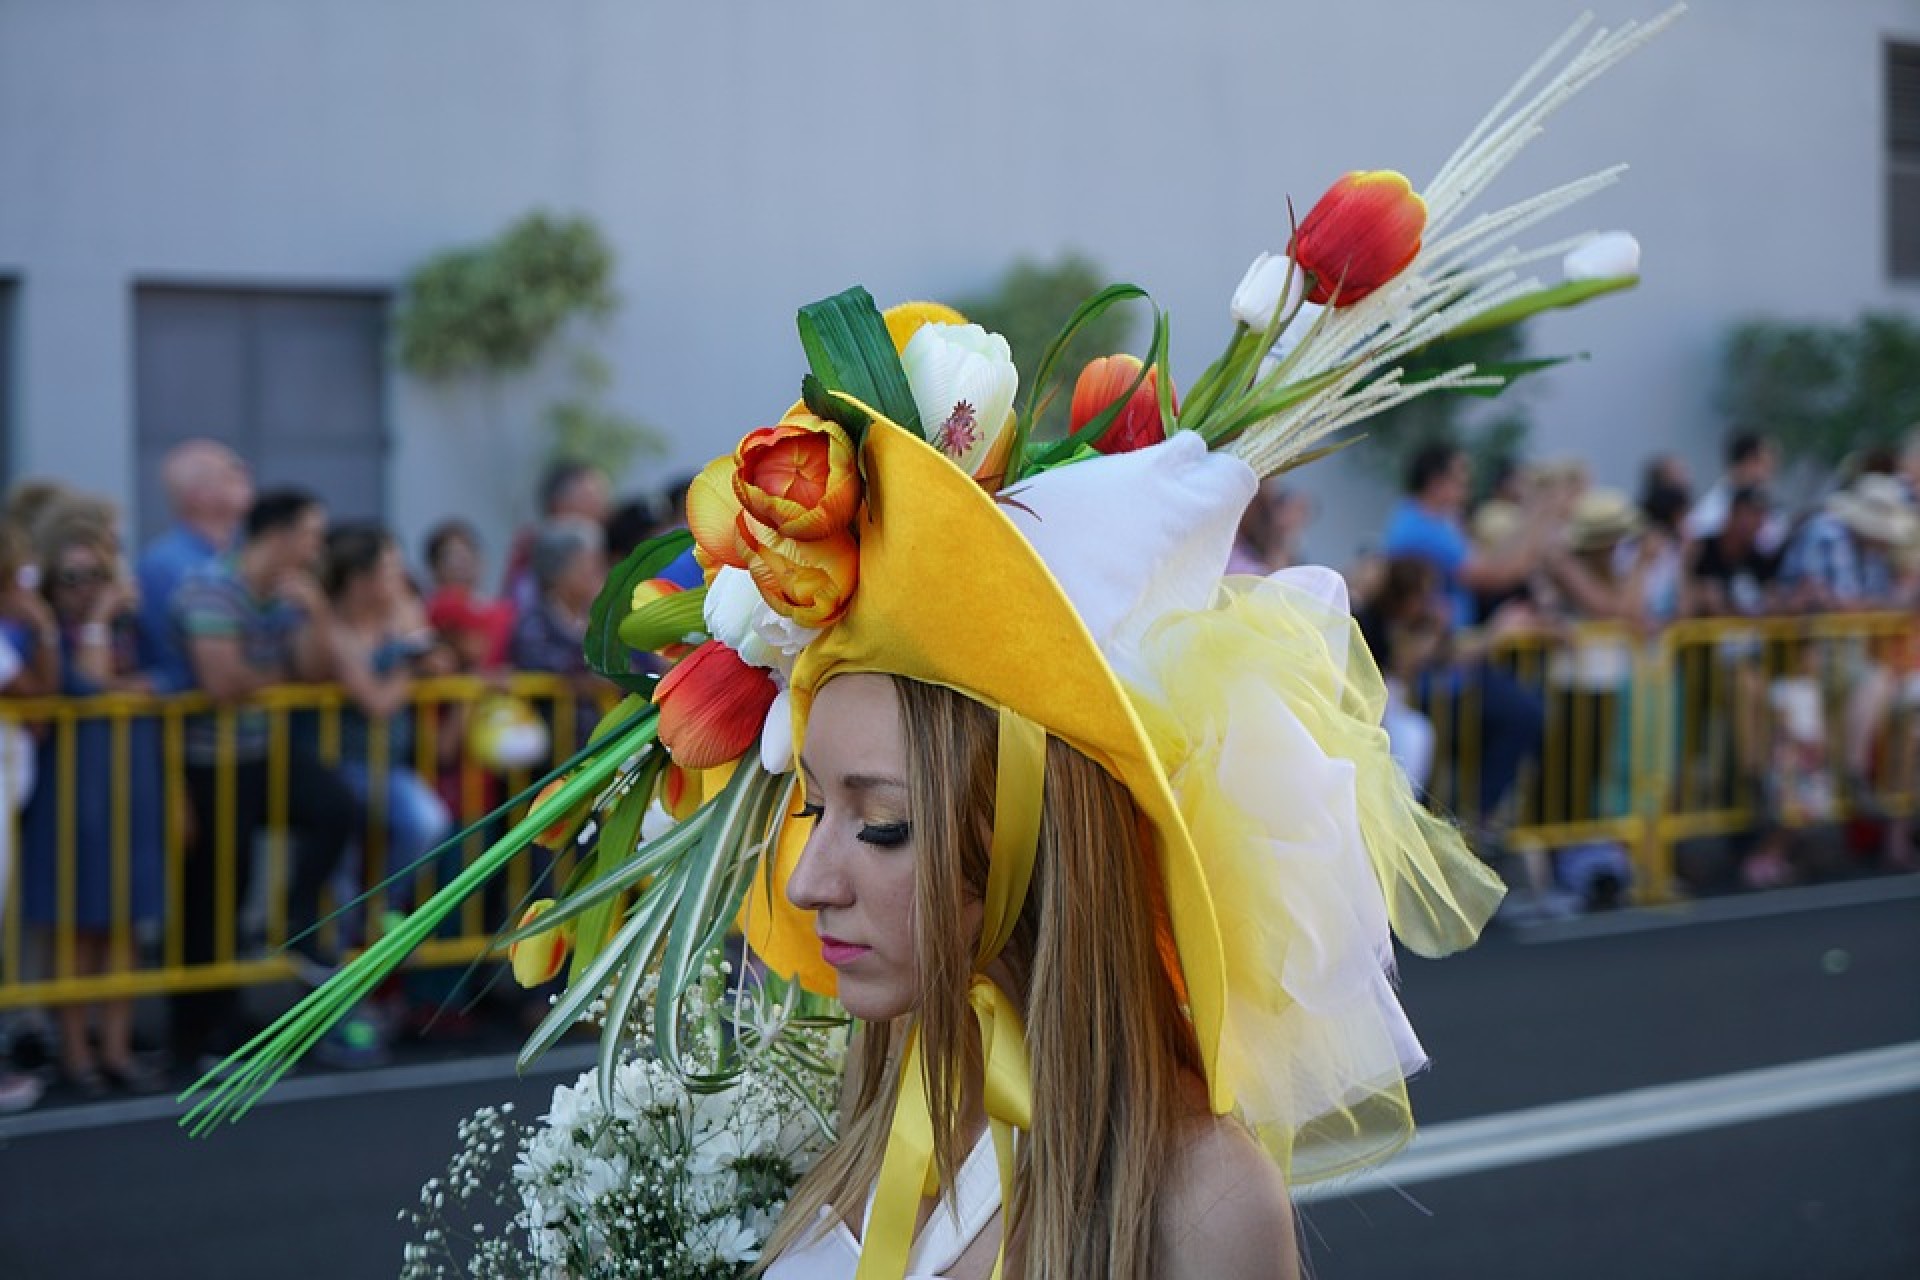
<point>82,577</point>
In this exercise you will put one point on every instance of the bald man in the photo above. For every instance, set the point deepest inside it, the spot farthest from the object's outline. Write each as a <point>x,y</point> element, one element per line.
<point>209,490</point>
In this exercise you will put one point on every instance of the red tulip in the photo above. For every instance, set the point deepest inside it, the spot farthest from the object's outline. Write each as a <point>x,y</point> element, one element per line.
<point>1104,381</point>
<point>1360,235</point>
<point>712,706</point>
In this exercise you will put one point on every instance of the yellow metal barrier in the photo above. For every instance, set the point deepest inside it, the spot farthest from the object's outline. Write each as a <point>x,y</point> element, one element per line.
<point>118,764</point>
<point>1649,742</point>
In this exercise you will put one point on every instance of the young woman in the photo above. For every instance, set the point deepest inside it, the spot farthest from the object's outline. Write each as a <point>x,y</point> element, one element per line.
<point>380,643</point>
<point>1101,850</point>
<point>1125,1172</point>
<point>94,601</point>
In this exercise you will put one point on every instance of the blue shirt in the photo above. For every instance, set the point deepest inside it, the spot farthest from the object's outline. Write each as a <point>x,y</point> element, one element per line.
<point>1827,554</point>
<point>164,565</point>
<point>214,601</point>
<point>1415,531</point>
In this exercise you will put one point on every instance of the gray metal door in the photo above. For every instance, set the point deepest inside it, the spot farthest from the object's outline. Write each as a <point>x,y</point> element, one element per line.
<point>293,382</point>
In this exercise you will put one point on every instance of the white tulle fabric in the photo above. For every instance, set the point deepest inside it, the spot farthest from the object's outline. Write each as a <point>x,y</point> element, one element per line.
<point>1266,713</point>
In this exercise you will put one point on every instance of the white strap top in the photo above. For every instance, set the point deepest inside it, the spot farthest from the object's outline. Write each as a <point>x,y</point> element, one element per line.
<point>834,1254</point>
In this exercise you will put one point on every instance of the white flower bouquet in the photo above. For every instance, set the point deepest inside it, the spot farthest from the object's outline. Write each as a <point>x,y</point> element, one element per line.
<point>659,1174</point>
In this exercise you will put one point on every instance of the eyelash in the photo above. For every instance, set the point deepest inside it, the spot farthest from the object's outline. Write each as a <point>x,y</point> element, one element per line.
<point>890,835</point>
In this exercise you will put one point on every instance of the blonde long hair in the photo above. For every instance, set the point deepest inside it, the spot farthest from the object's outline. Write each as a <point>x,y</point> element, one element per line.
<point>1087,960</point>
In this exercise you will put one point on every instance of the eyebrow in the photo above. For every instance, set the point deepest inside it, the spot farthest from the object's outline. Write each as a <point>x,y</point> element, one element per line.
<point>861,781</point>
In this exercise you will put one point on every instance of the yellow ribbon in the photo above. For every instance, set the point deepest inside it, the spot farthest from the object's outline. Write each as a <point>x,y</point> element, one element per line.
<point>1019,783</point>
<point>907,1173</point>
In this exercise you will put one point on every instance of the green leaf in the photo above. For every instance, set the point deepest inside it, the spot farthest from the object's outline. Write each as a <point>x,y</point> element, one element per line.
<point>822,403</point>
<point>1040,391</point>
<point>666,621</point>
<point>740,825</point>
<point>848,348</point>
<point>1088,437</point>
<point>619,832</point>
<point>1569,294</point>
<point>606,654</point>
<point>634,946</point>
<point>650,860</point>
<point>227,1092</point>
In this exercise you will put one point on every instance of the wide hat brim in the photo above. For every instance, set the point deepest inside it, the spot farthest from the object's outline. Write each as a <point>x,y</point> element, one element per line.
<point>1896,526</point>
<point>950,593</point>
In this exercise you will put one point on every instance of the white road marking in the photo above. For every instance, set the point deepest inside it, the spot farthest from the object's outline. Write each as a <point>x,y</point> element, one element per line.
<point>317,1088</point>
<point>1746,906</point>
<point>1612,1120</point>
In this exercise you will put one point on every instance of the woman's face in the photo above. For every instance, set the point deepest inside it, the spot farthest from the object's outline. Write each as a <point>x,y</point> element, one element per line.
<point>582,579</point>
<point>80,574</point>
<point>390,577</point>
<point>458,564</point>
<point>856,873</point>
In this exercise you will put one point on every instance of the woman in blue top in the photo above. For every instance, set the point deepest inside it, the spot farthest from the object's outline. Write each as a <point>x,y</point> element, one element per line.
<point>380,644</point>
<point>114,884</point>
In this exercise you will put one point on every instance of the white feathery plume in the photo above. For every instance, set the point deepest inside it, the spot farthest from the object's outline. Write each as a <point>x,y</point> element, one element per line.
<point>1458,274</point>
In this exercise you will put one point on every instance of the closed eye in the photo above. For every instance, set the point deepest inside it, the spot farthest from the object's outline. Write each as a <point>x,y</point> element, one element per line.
<point>888,835</point>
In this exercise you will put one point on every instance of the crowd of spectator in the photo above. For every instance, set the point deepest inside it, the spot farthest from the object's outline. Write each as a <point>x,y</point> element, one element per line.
<point>1548,562</point>
<point>243,592</point>
<point>247,591</point>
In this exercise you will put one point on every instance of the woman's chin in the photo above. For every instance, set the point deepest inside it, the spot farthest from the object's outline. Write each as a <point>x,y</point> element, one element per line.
<point>873,1002</point>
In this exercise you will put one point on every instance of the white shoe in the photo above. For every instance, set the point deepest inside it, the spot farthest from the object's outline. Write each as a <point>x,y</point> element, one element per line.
<point>19,1093</point>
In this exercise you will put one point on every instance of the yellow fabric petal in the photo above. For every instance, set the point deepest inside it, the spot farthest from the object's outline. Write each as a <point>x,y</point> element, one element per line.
<point>907,318</point>
<point>778,932</point>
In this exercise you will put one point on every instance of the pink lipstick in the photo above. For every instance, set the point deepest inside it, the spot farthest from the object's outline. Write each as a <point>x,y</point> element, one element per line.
<point>837,953</point>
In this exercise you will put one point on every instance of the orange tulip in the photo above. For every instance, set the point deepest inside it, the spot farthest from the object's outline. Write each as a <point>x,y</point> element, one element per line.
<point>713,514</point>
<point>537,960</point>
<point>810,582</point>
<point>798,478</point>
<point>1101,383</point>
<point>712,706</point>
<point>1360,235</point>
<point>561,831</point>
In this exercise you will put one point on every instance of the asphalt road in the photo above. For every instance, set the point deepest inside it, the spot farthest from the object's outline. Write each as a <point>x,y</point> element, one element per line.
<point>1818,1186</point>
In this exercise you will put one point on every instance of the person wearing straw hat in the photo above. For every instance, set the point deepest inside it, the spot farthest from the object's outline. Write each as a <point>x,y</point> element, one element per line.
<point>1591,677</point>
<point>1842,556</point>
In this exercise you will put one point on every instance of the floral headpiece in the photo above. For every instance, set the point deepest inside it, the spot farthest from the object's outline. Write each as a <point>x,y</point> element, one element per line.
<point>906,516</point>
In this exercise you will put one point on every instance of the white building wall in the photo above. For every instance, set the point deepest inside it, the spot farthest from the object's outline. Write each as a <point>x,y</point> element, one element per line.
<point>299,143</point>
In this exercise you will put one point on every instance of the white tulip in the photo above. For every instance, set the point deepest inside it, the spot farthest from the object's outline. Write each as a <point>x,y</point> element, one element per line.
<point>776,736</point>
<point>738,616</point>
<point>1289,337</point>
<point>1607,256</point>
<point>963,383</point>
<point>1265,288</point>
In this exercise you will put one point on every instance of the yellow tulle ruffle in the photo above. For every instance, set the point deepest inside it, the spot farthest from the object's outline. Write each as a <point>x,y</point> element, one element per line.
<point>1266,711</point>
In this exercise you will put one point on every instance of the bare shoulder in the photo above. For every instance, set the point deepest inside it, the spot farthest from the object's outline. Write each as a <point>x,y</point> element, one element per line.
<point>1224,1213</point>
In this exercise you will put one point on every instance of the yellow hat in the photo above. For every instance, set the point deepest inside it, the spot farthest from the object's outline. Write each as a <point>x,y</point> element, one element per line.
<point>927,522</point>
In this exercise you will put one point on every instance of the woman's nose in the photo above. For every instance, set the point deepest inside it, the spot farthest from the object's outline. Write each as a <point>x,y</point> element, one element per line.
<point>817,881</point>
